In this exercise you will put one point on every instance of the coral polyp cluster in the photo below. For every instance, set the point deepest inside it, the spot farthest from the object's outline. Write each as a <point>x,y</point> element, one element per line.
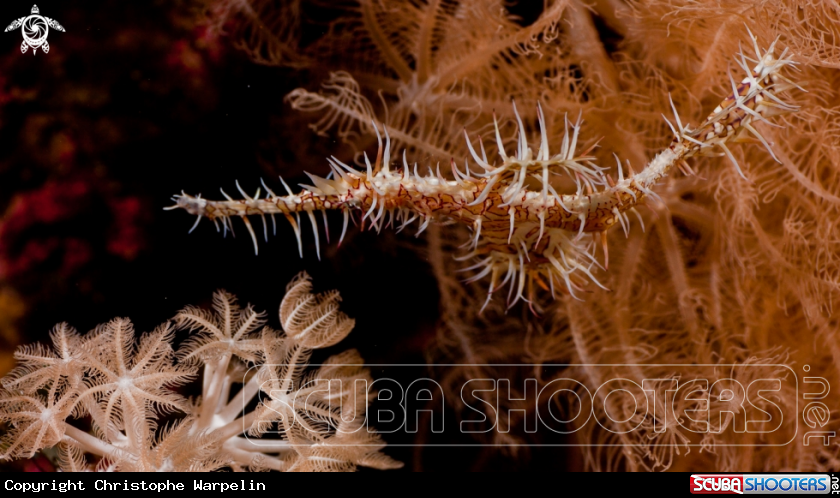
<point>302,421</point>
<point>526,234</point>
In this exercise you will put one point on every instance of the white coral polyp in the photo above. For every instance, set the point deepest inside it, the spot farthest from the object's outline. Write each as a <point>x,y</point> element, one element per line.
<point>124,386</point>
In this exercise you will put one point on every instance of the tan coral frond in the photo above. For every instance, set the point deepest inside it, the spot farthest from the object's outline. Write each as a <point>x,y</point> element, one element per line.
<point>37,423</point>
<point>231,330</point>
<point>314,321</point>
<point>41,366</point>
<point>71,458</point>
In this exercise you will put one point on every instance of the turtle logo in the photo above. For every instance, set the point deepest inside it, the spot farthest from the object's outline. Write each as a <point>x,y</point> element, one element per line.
<point>35,29</point>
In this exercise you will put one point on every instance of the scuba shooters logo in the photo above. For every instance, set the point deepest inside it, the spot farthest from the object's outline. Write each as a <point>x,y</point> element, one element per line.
<point>35,29</point>
<point>737,484</point>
